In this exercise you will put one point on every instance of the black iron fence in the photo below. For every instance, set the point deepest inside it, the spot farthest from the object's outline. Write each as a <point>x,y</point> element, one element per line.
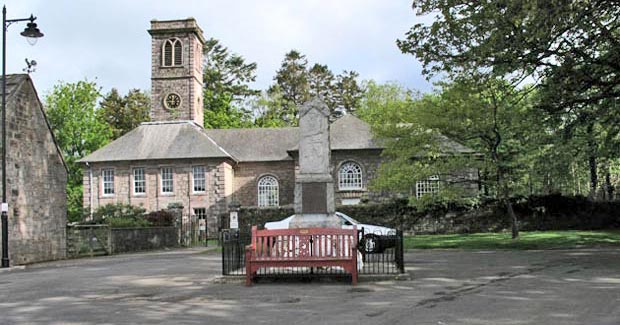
<point>192,231</point>
<point>377,254</point>
<point>233,251</point>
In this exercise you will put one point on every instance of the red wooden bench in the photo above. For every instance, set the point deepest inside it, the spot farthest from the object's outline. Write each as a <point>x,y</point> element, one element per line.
<point>305,247</point>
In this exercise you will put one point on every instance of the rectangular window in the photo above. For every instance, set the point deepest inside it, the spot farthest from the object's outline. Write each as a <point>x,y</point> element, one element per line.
<point>107,176</point>
<point>200,182</point>
<point>200,213</point>
<point>139,181</point>
<point>429,186</point>
<point>167,183</point>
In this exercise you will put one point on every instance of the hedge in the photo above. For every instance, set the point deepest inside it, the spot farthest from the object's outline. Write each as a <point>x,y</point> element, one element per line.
<point>550,212</point>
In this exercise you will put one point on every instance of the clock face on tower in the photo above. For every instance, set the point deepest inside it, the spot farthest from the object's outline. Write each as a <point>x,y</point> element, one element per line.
<point>172,101</point>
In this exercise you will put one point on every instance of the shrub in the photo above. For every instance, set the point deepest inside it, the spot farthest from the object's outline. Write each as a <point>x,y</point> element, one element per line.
<point>118,210</point>
<point>120,215</point>
<point>121,222</point>
<point>161,218</point>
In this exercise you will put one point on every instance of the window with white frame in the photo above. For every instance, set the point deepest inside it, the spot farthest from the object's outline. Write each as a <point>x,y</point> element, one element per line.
<point>107,176</point>
<point>139,181</point>
<point>268,192</point>
<point>350,176</point>
<point>429,186</point>
<point>200,213</point>
<point>167,182</point>
<point>200,181</point>
<point>172,53</point>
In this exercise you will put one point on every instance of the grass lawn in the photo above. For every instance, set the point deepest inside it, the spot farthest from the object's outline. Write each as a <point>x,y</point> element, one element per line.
<point>527,240</point>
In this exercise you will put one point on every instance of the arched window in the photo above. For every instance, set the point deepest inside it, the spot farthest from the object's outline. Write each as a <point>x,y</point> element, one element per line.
<point>172,53</point>
<point>268,192</point>
<point>350,176</point>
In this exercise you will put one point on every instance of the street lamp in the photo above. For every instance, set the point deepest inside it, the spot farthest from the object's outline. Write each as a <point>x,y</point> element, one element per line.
<point>32,33</point>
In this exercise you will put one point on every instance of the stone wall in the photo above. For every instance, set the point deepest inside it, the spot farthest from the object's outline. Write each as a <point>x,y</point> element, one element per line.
<point>215,199</point>
<point>93,240</point>
<point>247,176</point>
<point>36,179</point>
<point>124,240</point>
<point>369,160</point>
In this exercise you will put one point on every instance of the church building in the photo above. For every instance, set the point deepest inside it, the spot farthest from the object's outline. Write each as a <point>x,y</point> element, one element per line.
<point>174,160</point>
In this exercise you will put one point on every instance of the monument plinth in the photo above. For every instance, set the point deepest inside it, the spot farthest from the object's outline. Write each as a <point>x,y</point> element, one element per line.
<point>314,185</point>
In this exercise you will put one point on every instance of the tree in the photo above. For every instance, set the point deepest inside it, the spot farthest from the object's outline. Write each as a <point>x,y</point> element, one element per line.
<point>295,84</point>
<point>321,84</point>
<point>123,114</point>
<point>291,84</point>
<point>71,111</point>
<point>419,137</point>
<point>226,87</point>
<point>347,92</point>
<point>530,37</point>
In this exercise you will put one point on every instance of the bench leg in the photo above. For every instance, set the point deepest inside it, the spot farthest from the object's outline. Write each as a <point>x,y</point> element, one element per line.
<point>248,270</point>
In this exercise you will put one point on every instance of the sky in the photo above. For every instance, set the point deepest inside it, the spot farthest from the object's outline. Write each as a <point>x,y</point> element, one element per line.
<point>107,41</point>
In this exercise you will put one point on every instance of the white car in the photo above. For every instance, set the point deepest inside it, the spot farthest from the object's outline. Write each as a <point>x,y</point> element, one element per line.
<point>371,242</point>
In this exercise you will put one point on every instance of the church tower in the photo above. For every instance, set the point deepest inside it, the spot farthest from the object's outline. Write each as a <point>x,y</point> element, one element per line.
<point>176,71</point>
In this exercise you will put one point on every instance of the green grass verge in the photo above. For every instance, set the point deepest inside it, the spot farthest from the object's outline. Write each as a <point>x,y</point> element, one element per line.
<point>527,240</point>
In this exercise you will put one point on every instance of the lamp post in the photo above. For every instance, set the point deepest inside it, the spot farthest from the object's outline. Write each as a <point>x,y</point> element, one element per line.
<point>32,33</point>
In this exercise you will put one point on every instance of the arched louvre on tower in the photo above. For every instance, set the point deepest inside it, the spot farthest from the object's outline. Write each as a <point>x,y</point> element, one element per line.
<point>178,51</point>
<point>172,53</point>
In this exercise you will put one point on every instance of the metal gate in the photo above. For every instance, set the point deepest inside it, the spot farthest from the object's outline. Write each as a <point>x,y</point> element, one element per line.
<point>233,251</point>
<point>192,231</point>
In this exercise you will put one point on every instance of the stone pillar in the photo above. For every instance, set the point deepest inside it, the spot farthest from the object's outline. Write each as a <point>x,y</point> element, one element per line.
<point>314,185</point>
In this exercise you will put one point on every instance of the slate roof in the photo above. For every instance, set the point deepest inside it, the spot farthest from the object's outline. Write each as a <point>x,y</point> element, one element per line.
<point>184,139</point>
<point>449,145</point>
<point>258,144</point>
<point>160,140</point>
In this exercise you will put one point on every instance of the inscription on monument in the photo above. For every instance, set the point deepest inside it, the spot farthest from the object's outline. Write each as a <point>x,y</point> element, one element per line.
<point>313,198</point>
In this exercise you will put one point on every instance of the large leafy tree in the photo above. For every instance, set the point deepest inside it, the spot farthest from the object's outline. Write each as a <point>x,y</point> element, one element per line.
<point>569,49</point>
<point>124,113</point>
<point>422,138</point>
<point>574,42</point>
<point>71,110</point>
<point>227,78</point>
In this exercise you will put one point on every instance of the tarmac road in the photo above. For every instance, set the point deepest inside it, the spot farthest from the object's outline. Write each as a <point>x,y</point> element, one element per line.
<point>444,287</point>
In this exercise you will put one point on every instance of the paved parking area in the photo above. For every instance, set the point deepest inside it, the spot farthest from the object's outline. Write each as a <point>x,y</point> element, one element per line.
<point>445,287</point>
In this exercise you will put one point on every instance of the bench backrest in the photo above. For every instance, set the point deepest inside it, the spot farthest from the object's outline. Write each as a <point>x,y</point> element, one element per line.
<point>304,243</point>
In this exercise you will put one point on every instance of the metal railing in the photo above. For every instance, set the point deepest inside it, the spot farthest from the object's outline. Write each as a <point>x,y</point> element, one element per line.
<point>383,256</point>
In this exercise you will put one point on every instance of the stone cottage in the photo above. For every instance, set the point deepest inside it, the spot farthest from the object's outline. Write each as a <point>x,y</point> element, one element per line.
<point>173,159</point>
<point>36,178</point>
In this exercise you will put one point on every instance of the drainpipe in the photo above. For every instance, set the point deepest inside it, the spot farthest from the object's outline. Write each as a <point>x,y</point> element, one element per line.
<point>189,192</point>
<point>90,184</point>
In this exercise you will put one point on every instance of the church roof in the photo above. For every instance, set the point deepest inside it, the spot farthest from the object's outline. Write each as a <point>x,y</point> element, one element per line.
<point>349,133</point>
<point>160,140</point>
<point>184,139</point>
<point>258,144</point>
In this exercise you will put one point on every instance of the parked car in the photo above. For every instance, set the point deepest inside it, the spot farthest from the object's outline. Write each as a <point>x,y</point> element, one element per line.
<point>375,239</point>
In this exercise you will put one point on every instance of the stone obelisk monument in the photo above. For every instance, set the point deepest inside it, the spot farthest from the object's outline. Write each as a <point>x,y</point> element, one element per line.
<point>314,185</point>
